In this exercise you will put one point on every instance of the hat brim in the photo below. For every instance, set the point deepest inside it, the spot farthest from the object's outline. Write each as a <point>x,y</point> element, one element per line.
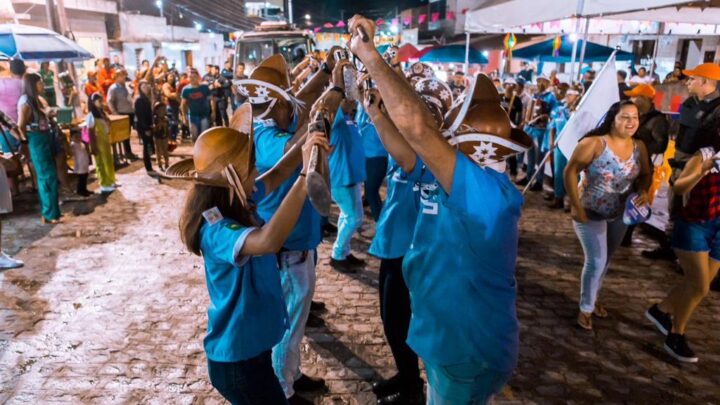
<point>698,74</point>
<point>181,170</point>
<point>521,138</point>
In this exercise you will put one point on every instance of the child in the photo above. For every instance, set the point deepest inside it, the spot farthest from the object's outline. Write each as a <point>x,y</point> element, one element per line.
<point>247,315</point>
<point>82,163</point>
<point>161,134</point>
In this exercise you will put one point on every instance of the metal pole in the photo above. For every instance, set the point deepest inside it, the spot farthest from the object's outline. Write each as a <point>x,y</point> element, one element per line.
<point>584,45</point>
<point>290,12</point>
<point>578,13</point>
<point>467,53</point>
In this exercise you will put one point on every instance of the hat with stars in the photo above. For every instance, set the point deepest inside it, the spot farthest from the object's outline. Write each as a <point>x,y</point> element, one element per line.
<point>419,71</point>
<point>437,96</point>
<point>480,128</point>
<point>268,85</point>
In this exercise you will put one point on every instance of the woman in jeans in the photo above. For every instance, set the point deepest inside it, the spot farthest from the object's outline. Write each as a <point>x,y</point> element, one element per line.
<point>696,241</point>
<point>34,126</point>
<point>247,315</point>
<point>613,165</point>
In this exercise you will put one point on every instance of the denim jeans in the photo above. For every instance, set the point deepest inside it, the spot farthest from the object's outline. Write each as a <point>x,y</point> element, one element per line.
<point>375,169</point>
<point>297,277</point>
<point>198,125</point>
<point>248,382</point>
<point>559,164</point>
<point>465,383</point>
<point>535,154</point>
<point>599,240</point>
<point>349,200</point>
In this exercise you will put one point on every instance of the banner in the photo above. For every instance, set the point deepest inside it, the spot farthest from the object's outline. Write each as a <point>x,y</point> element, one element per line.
<point>592,108</point>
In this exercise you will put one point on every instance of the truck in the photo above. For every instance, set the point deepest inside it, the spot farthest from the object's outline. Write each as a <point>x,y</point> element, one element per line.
<point>269,38</point>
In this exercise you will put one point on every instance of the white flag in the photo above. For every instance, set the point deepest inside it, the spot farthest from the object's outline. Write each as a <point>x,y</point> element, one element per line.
<point>592,108</point>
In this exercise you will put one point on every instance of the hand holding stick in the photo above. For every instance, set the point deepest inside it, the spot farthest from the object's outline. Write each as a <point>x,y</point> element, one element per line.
<point>318,183</point>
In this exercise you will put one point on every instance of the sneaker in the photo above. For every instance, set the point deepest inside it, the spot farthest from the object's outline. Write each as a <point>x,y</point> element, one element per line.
<point>537,186</point>
<point>387,387</point>
<point>309,384</point>
<point>661,253</point>
<point>556,204</point>
<point>660,319</point>
<point>676,346</point>
<point>342,266</point>
<point>7,262</point>
<point>107,189</point>
<point>522,182</point>
<point>404,397</point>
<point>354,260</point>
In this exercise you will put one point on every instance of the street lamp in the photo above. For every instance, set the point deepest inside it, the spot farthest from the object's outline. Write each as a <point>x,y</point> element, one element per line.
<point>307,16</point>
<point>198,26</point>
<point>159,4</point>
<point>394,29</point>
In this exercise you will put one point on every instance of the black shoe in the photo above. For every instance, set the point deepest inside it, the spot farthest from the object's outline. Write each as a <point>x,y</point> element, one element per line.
<point>309,384</point>
<point>537,186</point>
<point>660,319</point>
<point>317,306</point>
<point>627,240</point>
<point>549,196</point>
<point>314,321</point>
<point>556,204</point>
<point>522,182</point>
<point>715,285</point>
<point>412,396</point>
<point>132,158</point>
<point>661,253</point>
<point>676,346</point>
<point>298,400</point>
<point>342,266</point>
<point>354,260</point>
<point>387,387</point>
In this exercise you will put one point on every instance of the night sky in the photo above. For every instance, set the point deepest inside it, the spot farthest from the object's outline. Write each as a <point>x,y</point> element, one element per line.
<point>323,11</point>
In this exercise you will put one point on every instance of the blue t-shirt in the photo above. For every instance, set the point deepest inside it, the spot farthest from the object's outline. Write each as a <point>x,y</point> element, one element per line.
<point>269,148</point>
<point>198,100</point>
<point>460,269</point>
<point>396,224</point>
<point>347,160</point>
<point>371,140</point>
<point>247,314</point>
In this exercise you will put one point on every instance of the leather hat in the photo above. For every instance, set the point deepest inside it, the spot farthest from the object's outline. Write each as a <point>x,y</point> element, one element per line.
<point>269,83</point>
<point>419,71</point>
<point>437,96</point>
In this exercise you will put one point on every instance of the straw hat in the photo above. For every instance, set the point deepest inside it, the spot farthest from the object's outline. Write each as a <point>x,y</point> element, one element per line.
<point>480,128</point>
<point>222,157</point>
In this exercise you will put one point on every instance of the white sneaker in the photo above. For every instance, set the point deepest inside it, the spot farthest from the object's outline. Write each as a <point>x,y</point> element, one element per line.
<point>7,262</point>
<point>107,189</point>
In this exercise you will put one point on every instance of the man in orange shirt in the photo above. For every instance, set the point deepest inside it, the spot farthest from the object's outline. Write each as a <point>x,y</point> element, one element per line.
<point>92,85</point>
<point>105,75</point>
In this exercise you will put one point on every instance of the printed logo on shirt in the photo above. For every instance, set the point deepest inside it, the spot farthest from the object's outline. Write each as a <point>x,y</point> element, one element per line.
<point>232,226</point>
<point>398,177</point>
<point>212,216</point>
<point>429,197</point>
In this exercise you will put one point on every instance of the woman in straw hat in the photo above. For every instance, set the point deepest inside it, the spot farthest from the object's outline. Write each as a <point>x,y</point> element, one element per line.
<point>247,315</point>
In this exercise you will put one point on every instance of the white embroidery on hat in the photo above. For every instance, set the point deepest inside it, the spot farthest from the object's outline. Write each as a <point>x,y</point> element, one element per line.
<point>484,152</point>
<point>262,92</point>
<point>433,85</point>
<point>244,91</point>
<point>445,94</point>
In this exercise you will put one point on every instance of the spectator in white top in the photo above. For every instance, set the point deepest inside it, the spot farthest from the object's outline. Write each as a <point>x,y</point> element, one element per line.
<point>641,78</point>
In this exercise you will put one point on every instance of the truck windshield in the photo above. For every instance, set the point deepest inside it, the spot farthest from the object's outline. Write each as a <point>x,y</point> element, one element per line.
<point>251,52</point>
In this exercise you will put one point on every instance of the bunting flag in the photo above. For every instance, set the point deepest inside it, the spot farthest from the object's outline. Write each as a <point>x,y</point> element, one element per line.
<point>379,21</point>
<point>422,18</point>
<point>557,43</point>
<point>317,29</point>
<point>450,15</point>
<point>509,42</point>
<point>434,17</point>
<point>340,24</point>
<point>394,22</point>
<point>328,25</point>
<point>407,21</point>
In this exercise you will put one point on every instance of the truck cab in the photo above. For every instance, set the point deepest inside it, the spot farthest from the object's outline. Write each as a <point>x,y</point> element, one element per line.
<point>269,38</point>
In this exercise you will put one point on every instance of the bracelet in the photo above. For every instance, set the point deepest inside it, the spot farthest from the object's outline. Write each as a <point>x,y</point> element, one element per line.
<point>302,174</point>
<point>339,90</point>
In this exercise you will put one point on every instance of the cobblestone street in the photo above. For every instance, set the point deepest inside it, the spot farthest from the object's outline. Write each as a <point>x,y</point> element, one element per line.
<point>110,308</point>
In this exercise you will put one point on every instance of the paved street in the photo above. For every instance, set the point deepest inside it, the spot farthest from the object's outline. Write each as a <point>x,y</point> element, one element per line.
<point>111,309</point>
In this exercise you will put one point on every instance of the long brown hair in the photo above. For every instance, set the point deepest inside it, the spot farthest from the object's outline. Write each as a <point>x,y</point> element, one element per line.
<point>30,81</point>
<point>201,198</point>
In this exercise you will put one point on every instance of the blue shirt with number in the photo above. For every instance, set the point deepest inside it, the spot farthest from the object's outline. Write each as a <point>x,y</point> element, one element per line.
<point>460,268</point>
<point>371,140</point>
<point>347,160</point>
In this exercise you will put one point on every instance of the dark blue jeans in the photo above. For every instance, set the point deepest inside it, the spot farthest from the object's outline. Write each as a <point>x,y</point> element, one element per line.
<point>375,168</point>
<point>248,382</point>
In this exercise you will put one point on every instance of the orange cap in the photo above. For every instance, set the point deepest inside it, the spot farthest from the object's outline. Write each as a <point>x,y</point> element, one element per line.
<point>707,70</point>
<point>644,90</point>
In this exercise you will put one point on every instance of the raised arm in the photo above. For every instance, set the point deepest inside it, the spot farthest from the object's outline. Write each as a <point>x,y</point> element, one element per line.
<point>695,169</point>
<point>405,107</point>
<point>272,235</point>
<point>389,135</point>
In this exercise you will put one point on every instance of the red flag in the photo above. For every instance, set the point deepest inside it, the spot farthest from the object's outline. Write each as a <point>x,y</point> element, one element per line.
<point>434,17</point>
<point>451,15</point>
<point>340,24</point>
<point>379,21</point>
<point>328,25</point>
<point>465,10</point>
<point>407,21</point>
<point>422,18</point>
<point>317,29</point>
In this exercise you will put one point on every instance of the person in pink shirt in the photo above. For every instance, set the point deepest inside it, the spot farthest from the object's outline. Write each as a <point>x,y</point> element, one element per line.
<point>11,89</point>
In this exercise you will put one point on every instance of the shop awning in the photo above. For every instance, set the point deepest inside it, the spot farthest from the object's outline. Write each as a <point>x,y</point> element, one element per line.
<point>513,13</point>
<point>543,52</point>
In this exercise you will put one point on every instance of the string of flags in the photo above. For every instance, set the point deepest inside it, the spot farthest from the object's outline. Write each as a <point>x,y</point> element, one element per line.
<point>406,21</point>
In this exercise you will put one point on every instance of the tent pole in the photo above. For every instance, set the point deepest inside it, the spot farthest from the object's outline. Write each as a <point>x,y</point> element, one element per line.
<point>584,45</point>
<point>467,52</point>
<point>653,66</point>
<point>578,13</point>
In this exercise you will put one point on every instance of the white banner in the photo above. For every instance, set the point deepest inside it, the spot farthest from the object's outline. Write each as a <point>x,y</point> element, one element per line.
<point>592,108</point>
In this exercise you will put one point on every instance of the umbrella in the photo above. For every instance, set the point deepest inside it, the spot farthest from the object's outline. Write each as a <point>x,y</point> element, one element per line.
<point>406,52</point>
<point>450,54</point>
<point>32,43</point>
<point>543,52</point>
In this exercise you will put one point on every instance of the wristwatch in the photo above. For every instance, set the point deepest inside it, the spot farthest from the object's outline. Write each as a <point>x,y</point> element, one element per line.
<point>339,90</point>
<point>326,68</point>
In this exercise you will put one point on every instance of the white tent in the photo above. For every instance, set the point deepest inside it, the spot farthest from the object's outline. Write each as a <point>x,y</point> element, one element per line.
<point>499,17</point>
<point>689,15</point>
